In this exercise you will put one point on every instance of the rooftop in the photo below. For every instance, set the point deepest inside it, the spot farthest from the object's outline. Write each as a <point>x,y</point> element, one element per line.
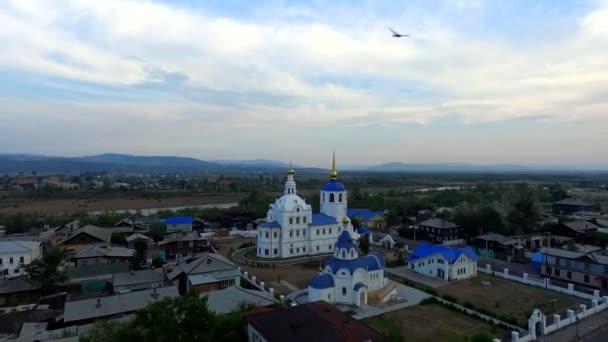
<point>138,277</point>
<point>439,223</point>
<point>320,219</point>
<point>19,284</point>
<point>179,219</point>
<point>580,226</point>
<point>573,202</point>
<point>230,299</point>
<point>501,239</point>
<point>451,254</point>
<point>365,214</point>
<point>93,251</point>
<point>207,262</point>
<point>317,321</point>
<point>101,234</point>
<point>12,247</point>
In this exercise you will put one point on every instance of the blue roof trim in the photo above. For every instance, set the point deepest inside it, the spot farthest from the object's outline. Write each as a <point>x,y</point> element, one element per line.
<point>179,219</point>
<point>365,214</point>
<point>333,185</point>
<point>322,281</point>
<point>424,250</point>
<point>369,262</point>
<point>319,219</point>
<point>358,286</point>
<point>345,241</point>
<point>273,224</point>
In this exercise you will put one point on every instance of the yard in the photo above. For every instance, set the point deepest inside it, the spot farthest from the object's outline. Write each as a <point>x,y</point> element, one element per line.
<point>508,298</point>
<point>433,322</point>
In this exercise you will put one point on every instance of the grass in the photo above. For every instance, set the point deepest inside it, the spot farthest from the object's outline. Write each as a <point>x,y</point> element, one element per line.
<point>432,322</point>
<point>508,298</point>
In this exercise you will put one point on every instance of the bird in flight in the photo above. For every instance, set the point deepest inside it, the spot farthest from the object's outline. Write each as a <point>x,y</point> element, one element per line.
<point>398,35</point>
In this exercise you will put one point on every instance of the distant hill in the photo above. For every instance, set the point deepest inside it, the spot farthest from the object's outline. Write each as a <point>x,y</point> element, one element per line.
<point>473,168</point>
<point>253,162</point>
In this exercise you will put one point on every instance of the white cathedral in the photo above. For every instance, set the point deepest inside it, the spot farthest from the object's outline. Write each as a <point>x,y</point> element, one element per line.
<point>291,229</point>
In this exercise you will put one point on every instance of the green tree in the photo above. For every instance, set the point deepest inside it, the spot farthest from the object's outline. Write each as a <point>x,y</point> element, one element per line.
<point>364,244</point>
<point>523,215</point>
<point>481,337</point>
<point>45,270</point>
<point>557,192</point>
<point>158,231</point>
<point>118,239</point>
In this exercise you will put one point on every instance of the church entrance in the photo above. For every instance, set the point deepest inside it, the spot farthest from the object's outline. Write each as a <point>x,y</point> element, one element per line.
<point>440,273</point>
<point>363,298</point>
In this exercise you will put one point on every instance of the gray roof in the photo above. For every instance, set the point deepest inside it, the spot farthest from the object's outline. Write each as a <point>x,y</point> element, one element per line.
<point>439,223</point>
<point>136,236</point>
<point>102,234</point>
<point>229,299</point>
<point>122,230</point>
<point>580,226</point>
<point>12,247</point>
<point>213,277</point>
<point>138,277</point>
<point>501,239</point>
<point>204,263</point>
<point>93,251</point>
<point>574,202</point>
<point>19,284</point>
<point>192,236</point>
<point>115,305</point>
<point>564,253</point>
<point>126,221</point>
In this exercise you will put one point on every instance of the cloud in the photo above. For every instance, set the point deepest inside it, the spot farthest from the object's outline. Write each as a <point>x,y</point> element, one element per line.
<point>282,66</point>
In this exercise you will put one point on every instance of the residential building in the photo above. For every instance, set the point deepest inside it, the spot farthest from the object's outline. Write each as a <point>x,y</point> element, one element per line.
<point>577,229</point>
<point>350,279</point>
<point>136,237</point>
<point>90,310</point>
<point>177,224</point>
<point>102,255</point>
<point>18,291</point>
<point>200,225</point>
<point>444,262</point>
<point>138,280</point>
<point>368,218</point>
<point>291,229</point>
<point>571,206</point>
<point>439,231</point>
<point>317,321</point>
<point>204,273</point>
<point>86,236</point>
<point>231,298</point>
<point>424,214</point>
<point>129,223</point>
<point>177,245</point>
<point>585,266</point>
<point>15,255</point>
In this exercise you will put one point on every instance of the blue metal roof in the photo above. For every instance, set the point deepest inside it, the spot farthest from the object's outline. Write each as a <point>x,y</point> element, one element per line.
<point>369,262</point>
<point>424,250</point>
<point>333,185</point>
<point>346,241</point>
<point>362,230</point>
<point>365,214</point>
<point>322,281</point>
<point>179,219</point>
<point>319,219</point>
<point>273,224</point>
<point>359,285</point>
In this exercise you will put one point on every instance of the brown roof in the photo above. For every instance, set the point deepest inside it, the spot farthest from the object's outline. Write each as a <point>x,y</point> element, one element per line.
<point>101,234</point>
<point>580,226</point>
<point>20,284</point>
<point>317,321</point>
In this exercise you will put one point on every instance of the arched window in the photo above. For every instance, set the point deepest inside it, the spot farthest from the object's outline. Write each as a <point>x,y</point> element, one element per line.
<point>323,197</point>
<point>331,198</point>
<point>343,253</point>
<point>340,198</point>
<point>352,253</point>
<point>344,291</point>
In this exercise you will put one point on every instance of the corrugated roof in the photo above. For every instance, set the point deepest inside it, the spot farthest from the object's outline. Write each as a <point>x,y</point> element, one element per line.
<point>207,262</point>
<point>451,254</point>
<point>322,281</point>
<point>230,299</point>
<point>18,284</point>
<point>138,277</point>
<point>93,251</point>
<point>179,219</point>
<point>365,214</point>
<point>580,226</point>
<point>574,202</point>
<point>439,223</point>
<point>503,240</point>
<point>114,305</point>
<point>101,234</point>
<point>15,247</point>
<point>320,219</point>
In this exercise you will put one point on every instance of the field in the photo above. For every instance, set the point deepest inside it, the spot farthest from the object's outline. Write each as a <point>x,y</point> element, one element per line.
<point>508,298</point>
<point>110,202</point>
<point>432,322</point>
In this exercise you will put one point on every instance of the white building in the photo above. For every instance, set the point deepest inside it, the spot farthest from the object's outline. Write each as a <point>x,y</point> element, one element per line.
<point>291,229</point>
<point>348,278</point>
<point>444,262</point>
<point>15,255</point>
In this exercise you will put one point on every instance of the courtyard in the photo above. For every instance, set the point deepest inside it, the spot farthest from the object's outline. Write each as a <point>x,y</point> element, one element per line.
<point>433,322</point>
<point>508,298</point>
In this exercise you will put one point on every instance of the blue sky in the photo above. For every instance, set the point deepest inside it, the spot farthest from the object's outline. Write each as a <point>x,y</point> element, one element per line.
<point>479,81</point>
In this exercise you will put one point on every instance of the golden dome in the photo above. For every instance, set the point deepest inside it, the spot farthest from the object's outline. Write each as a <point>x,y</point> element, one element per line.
<point>290,171</point>
<point>345,220</point>
<point>334,172</point>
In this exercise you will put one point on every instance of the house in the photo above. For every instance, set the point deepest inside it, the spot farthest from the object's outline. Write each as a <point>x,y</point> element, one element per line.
<point>135,238</point>
<point>577,229</point>
<point>571,206</point>
<point>423,215</point>
<point>585,266</point>
<point>388,242</point>
<point>317,321</point>
<point>102,255</point>
<point>27,183</point>
<point>231,298</point>
<point>138,280</point>
<point>440,231</point>
<point>15,255</point>
<point>84,236</point>
<point>368,218</point>
<point>179,224</point>
<point>18,291</point>
<point>200,225</point>
<point>89,310</point>
<point>129,223</point>
<point>494,245</point>
<point>204,273</point>
<point>178,245</point>
<point>350,279</point>
<point>444,262</point>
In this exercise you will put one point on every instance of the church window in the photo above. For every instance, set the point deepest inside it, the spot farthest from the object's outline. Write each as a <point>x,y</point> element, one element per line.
<point>329,230</point>
<point>329,247</point>
<point>331,198</point>
<point>267,235</point>
<point>323,231</point>
<point>298,220</point>
<point>343,253</point>
<point>344,291</point>
<point>303,232</point>
<point>298,250</point>
<point>266,251</point>
<point>304,249</point>
<point>340,198</point>
<point>317,231</point>
<point>291,233</point>
<point>276,251</point>
<point>291,251</point>
<point>291,220</point>
<point>298,209</point>
<point>317,248</point>
<point>352,253</point>
<point>323,197</point>
<point>275,234</point>
<point>304,219</point>
<point>297,232</point>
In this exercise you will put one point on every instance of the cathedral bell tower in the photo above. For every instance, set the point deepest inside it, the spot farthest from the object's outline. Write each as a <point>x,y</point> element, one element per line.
<point>333,195</point>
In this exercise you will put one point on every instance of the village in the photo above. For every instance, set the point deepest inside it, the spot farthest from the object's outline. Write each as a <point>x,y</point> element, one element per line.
<point>425,280</point>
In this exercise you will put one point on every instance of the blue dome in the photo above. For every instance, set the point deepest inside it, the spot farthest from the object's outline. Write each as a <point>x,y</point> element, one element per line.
<point>333,185</point>
<point>370,262</point>
<point>345,241</point>
<point>322,281</point>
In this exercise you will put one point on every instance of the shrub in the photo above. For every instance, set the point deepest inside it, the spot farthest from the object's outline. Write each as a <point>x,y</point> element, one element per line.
<point>469,305</point>
<point>450,298</point>
<point>429,300</point>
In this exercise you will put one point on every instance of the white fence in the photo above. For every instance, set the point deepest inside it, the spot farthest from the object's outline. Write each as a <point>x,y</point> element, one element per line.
<point>260,285</point>
<point>540,282</point>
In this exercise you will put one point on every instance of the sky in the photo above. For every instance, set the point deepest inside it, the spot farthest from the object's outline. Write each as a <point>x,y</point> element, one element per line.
<point>519,82</point>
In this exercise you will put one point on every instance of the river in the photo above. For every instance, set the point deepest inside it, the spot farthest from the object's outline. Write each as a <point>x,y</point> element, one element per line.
<point>154,211</point>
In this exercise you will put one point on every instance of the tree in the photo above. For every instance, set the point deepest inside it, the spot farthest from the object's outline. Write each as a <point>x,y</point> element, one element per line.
<point>178,319</point>
<point>481,337</point>
<point>157,231</point>
<point>364,244</point>
<point>523,215</point>
<point>45,270</point>
<point>557,192</point>
<point>118,239</point>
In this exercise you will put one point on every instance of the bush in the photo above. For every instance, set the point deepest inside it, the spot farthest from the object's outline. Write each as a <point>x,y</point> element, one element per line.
<point>469,305</point>
<point>158,263</point>
<point>431,291</point>
<point>429,300</point>
<point>450,298</point>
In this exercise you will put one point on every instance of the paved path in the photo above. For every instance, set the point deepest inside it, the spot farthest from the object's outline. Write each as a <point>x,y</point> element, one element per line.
<point>405,273</point>
<point>593,329</point>
<point>239,257</point>
<point>289,285</point>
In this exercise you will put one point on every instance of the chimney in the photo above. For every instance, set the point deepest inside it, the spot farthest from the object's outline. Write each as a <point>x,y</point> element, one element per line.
<point>98,303</point>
